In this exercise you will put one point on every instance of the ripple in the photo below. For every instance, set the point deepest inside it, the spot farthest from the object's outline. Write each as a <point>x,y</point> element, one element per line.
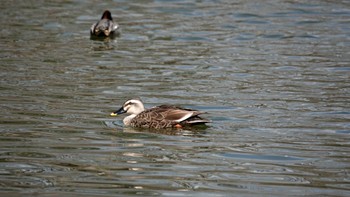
<point>273,77</point>
<point>253,157</point>
<point>27,154</point>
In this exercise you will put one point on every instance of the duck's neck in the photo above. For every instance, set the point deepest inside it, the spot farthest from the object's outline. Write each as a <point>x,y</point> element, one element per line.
<point>127,120</point>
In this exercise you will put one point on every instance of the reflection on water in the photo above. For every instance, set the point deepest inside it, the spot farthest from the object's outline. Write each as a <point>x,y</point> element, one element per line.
<point>273,75</point>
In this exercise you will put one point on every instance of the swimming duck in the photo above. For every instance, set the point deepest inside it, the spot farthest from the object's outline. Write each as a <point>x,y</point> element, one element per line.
<point>163,116</point>
<point>105,27</point>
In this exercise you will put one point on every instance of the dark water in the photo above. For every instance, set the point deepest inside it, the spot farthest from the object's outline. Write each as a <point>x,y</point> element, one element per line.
<point>273,75</point>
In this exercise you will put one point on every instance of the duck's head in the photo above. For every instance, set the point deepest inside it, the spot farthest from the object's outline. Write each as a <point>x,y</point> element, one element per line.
<point>133,106</point>
<point>107,15</point>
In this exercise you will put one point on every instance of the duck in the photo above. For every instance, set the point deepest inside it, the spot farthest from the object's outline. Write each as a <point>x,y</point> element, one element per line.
<point>105,27</point>
<point>158,117</point>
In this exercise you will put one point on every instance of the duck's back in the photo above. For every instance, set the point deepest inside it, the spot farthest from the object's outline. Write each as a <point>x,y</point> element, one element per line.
<point>166,116</point>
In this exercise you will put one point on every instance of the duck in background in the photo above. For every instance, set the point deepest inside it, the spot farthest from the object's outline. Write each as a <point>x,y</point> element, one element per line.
<point>105,27</point>
<point>159,117</point>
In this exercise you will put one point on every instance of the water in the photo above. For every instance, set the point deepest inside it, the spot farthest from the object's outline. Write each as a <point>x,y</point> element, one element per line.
<point>273,75</point>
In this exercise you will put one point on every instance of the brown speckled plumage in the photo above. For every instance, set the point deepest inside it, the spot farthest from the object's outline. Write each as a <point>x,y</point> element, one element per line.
<point>163,116</point>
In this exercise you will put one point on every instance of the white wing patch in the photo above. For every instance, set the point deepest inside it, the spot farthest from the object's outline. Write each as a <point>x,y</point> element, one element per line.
<point>188,115</point>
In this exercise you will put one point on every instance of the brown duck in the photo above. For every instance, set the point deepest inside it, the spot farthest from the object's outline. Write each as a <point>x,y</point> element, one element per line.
<point>163,116</point>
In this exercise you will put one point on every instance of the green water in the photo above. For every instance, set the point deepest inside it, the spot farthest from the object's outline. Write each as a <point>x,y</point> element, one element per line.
<point>272,75</point>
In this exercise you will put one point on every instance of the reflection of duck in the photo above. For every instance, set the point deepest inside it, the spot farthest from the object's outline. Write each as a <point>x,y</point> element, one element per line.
<point>163,116</point>
<point>105,27</point>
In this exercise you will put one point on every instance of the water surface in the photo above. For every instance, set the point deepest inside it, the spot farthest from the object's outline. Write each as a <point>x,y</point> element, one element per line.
<point>273,75</point>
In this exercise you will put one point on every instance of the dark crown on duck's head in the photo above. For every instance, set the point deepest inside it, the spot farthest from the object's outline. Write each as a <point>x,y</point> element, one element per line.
<point>107,15</point>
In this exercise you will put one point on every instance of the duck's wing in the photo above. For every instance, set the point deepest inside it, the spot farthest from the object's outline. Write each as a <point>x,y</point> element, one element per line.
<point>165,113</point>
<point>152,118</point>
<point>176,114</point>
<point>187,116</point>
<point>167,116</point>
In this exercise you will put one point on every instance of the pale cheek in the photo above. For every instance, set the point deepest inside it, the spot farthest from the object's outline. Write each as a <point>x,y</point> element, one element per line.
<point>129,109</point>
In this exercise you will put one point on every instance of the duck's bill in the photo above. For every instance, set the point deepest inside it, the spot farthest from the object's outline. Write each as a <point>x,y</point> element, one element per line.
<point>119,111</point>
